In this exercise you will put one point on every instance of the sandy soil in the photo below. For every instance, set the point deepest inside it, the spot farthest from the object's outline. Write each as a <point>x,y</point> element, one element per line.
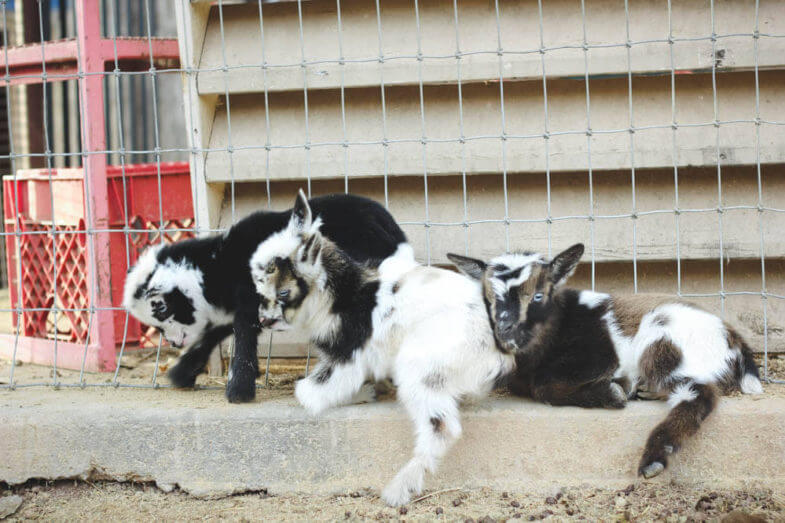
<point>69,501</point>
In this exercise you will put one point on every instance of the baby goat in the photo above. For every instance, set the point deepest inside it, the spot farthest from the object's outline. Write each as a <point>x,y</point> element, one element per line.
<point>425,328</point>
<point>591,349</point>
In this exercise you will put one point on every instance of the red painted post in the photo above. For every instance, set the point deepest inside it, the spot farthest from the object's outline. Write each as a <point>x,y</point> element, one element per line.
<point>91,91</point>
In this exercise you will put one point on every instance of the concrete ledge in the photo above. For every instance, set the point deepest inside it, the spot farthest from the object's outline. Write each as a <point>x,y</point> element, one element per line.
<point>209,448</point>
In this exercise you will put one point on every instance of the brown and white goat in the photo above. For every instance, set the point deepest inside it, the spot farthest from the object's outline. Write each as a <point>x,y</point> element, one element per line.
<point>589,349</point>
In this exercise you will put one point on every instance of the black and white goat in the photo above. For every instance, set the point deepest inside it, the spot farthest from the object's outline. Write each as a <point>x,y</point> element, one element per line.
<point>199,291</point>
<point>426,328</point>
<point>591,349</point>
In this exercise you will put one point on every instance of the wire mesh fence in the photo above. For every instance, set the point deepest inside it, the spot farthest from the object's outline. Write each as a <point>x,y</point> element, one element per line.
<point>483,127</point>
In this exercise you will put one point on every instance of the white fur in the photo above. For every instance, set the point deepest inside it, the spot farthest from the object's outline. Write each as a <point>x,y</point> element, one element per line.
<point>699,335</point>
<point>592,299</point>
<point>431,336</point>
<point>165,277</point>
<point>751,385</point>
<point>682,392</point>
<point>513,261</point>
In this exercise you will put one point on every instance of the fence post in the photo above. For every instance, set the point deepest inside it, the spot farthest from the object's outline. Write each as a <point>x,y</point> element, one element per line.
<point>93,128</point>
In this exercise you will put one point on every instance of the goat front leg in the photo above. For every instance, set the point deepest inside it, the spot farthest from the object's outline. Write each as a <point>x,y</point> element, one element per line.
<point>599,394</point>
<point>437,427</point>
<point>183,374</point>
<point>331,384</point>
<point>241,384</point>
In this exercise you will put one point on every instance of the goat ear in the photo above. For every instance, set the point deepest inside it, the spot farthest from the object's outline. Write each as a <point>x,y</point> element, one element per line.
<point>471,267</point>
<point>564,264</point>
<point>301,213</point>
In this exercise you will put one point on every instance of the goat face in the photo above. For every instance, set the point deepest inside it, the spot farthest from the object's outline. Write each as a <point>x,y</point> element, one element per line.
<point>518,291</point>
<point>167,295</point>
<point>286,267</point>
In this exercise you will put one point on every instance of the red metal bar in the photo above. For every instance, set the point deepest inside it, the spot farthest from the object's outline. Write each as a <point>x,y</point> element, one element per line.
<point>91,102</point>
<point>61,58</point>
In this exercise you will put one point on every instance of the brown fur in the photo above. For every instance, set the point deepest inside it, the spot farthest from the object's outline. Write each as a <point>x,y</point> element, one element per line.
<point>629,309</point>
<point>658,362</point>
<point>682,421</point>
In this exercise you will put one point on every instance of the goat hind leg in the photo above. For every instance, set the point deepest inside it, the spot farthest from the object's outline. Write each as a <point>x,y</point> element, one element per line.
<point>437,426</point>
<point>694,402</point>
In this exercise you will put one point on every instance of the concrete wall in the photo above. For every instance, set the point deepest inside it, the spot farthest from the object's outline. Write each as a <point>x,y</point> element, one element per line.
<point>500,139</point>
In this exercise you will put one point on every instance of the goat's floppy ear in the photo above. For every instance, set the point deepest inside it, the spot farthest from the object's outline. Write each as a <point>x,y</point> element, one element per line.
<point>301,213</point>
<point>471,267</point>
<point>564,264</point>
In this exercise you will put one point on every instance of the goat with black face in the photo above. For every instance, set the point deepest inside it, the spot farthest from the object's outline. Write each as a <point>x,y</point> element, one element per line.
<point>589,349</point>
<point>199,291</point>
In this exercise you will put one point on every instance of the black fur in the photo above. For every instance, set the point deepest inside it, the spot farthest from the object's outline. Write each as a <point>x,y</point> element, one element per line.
<point>575,359</point>
<point>360,226</point>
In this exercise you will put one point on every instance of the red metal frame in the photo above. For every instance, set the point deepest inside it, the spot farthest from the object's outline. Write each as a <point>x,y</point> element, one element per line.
<point>62,58</point>
<point>89,53</point>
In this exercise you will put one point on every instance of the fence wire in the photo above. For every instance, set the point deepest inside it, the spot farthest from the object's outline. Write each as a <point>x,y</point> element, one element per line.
<point>417,131</point>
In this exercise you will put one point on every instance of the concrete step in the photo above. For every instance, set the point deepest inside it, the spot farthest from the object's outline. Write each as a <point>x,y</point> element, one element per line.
<point>196,441</point>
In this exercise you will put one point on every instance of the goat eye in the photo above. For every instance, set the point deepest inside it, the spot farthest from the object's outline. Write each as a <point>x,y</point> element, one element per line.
<point>284,293</point>
<point>537,297</point>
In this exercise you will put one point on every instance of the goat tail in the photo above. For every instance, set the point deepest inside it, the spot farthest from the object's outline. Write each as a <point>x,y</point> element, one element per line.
<point>691,404</point>
<point>749,381</point>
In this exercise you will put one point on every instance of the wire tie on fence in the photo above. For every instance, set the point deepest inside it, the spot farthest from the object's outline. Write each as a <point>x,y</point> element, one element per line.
<point>585,47</point>
<point>424,140</point>
<point>345,144</point>
<point>503,137</point>
<point>465,225</point>
<point>381,59</point>
<point>631,130</point>
<point>677,212</point>
<point>419,56</point>
<point>674,126</point>
<point>716,123</point>
<point>713,37</point>
<point>757,120</point>
<point>760,208</point>
<point>756,34</point>
<point>385,142</point>
<point>634,215</point>
<point>542,50</point>
<point>546,135</point>
<point>500,52</point>
<point>307,146</point>
<point>588,132</point>
<point>720,210</point>
<point>628,44</point>
<point>458,55</point>
<point>462,139</point>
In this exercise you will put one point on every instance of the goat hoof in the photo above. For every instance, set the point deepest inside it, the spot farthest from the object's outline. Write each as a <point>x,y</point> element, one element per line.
<point>652,469</point>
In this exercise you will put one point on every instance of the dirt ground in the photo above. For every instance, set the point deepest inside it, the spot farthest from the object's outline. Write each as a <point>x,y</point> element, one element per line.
<point>69,501</point>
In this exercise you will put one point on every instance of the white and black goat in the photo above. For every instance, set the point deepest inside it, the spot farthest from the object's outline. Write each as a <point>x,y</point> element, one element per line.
<point>584,348</point>
<point>199,291</point>
<point>426,328</point>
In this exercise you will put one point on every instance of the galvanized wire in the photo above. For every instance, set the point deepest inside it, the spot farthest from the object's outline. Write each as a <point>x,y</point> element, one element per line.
<point>506,141</point>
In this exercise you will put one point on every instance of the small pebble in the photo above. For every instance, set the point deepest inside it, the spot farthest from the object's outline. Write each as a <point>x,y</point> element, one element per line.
<point>348,514</point>
<point>620,502</point>
<point>487,519</point>
<point>456,502</point>
<point>514,504</point>
<point>469,520</point>
<point>439,510</point>
<point>531,518</point>
<point>517,515</point>
<point>550,500</point>
<point>505,495</point>
<point>403,511</point>
<point>570,512</point>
